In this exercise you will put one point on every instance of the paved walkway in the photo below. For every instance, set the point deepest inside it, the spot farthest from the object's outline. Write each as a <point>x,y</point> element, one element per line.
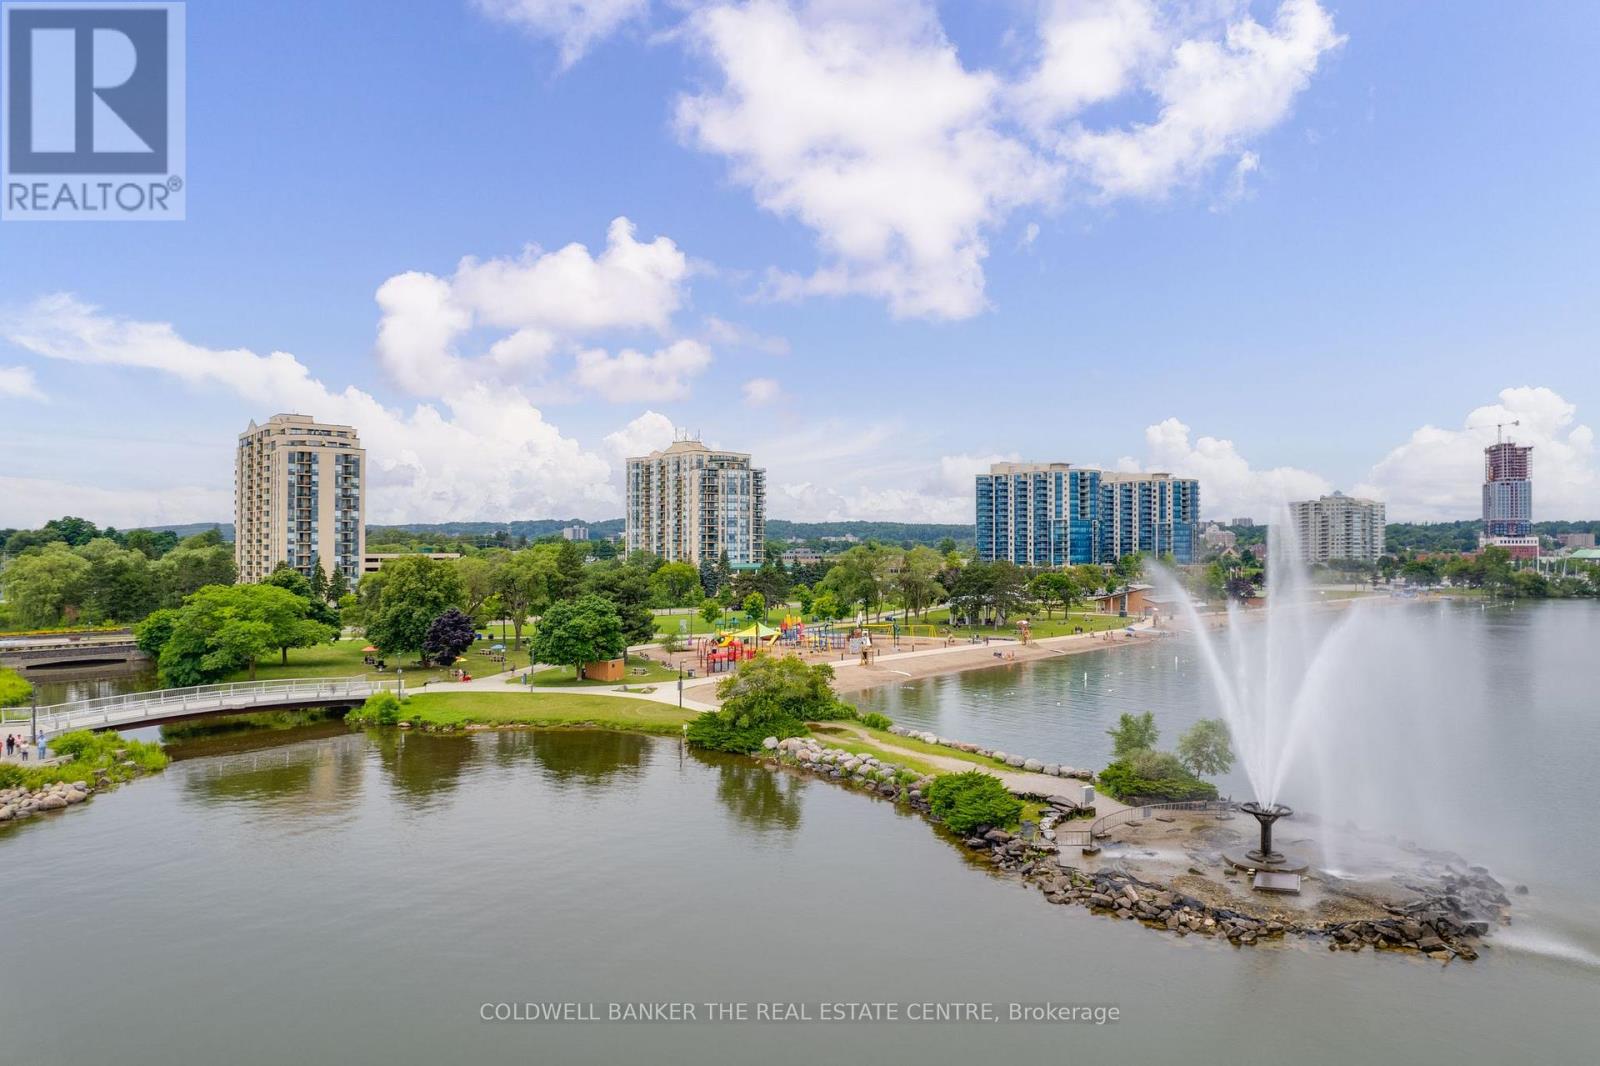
<point>1014,780</point>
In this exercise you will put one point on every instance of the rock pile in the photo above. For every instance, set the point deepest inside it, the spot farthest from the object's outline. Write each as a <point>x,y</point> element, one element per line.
<point>887,779</point>
<point>20,803</point>
<point>1016,762</point>
<point>1424,925</point>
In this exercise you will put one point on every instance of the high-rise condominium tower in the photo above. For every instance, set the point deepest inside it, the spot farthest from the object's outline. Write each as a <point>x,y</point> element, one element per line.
<point>1339,527</point>
<point>298,498</point>
<point>690,504</point>
<point>1056,514</point>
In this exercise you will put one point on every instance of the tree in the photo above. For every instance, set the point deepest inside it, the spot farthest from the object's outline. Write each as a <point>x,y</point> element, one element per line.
<point>768,697</point>
<point>319,583</point>
<point>291,580</point>
<point>448,636</point>
<point>710,611</point>
<point>477,574</point>
<point>1055,586</point>
<point>224,628</point>
<point>1134,732</point>
<point>755,606</point>
<point>574,632</point>
<point>190,567</point>
<point>46,586</point>
<point>628,588</point>
<point>1240,588</point>
<point>917,584</point>
<point>673,583</point>
<point>807,599</point>
<point>119,586</point>
<point>523,581</point>
<point>1206,747</point>
<point>414,590</point>
<point>153,633</point>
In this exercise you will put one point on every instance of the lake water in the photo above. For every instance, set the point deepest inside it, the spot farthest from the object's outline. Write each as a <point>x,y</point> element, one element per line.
<point>358,898</point>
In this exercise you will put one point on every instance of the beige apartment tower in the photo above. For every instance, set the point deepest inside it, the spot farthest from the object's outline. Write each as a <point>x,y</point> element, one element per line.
<point>1339,527</point>
<point>298,498</point>
<point>690,504</point>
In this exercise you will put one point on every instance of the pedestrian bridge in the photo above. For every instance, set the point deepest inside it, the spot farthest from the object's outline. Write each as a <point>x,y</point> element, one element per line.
<point>135,709</point>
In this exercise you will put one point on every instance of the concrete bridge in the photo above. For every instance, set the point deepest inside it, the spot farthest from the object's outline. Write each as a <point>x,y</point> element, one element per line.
<point>135,709</point>
<point>91,649</point>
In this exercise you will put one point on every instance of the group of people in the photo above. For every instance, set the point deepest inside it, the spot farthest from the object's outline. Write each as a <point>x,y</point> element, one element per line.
<point>17,747</point>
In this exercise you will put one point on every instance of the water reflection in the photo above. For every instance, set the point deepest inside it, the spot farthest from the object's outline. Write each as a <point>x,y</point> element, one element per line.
<point>587,760</point>
<point>422,770</point>
<point>758,798</point>
<point>299,779</point>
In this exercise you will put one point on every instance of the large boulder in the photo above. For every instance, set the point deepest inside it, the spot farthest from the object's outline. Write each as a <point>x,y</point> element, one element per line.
<point>1033,765</point>
<point>1015,761</point>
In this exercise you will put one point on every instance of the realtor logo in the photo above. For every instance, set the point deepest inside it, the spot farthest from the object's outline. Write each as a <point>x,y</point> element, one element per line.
<point>93,104</point>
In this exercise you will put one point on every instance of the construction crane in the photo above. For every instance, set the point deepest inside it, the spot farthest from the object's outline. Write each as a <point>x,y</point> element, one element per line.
<point>1499,428</point>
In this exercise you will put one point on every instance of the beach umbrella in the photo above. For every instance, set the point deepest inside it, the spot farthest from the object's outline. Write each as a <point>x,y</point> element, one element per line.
<point>369,647</point>
<point>497,647</point>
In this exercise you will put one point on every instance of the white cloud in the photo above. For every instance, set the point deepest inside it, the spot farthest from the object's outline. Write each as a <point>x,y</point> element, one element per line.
<point>1437,473</point>
<point>1090,51</point>
<point>483,452</point>
<point>576,24</point>
<point>727,334</point>
<point>18,382</point>
<point>958,473</point>
<point>650,432</point>
<point>544,302</point>
<point>631,376</point>
<point>1229,485</point>
<point>1214,96</point>
<point>26,503</point>
<point>758,392</point>
<point>861,122</point>
<point>806,501</point>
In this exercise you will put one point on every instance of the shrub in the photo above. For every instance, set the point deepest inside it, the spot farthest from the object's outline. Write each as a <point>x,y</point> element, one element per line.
<point>717,732</point>
<point>968,801</point>
<point>1156,776</point>
<point>380,708</point>
<point>874,720</point>
<point>768,698</point>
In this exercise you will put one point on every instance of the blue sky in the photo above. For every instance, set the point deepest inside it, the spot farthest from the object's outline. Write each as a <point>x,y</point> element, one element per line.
<point>1283,246</point>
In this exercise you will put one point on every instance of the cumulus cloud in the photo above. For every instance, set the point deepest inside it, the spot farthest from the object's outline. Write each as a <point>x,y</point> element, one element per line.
<point>1229,485</point>
<point>807,501</point>
<point>1435,475</point>
<point>650,432</point>
<point>18,382</point>
<point>576,25</point>
<point>727,334</point>
<point>426,464</point>
<point>861,122</point>
<point>634,376</point>
<point>758,392</point>
<point>540,302</point>
<point>1214,96</point>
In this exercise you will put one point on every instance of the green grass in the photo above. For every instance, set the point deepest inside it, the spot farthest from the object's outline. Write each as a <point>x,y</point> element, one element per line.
<point>343,659</point>
<point>654,673</point>
<point>913,744</point>
<point>557,709</point>
<point>89,752</point>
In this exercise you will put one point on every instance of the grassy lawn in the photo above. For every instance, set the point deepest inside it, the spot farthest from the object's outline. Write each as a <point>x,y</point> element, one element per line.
<point>545,709</point>
<point>913,744</point>
<point>654,673</point>
<point>343,659</point>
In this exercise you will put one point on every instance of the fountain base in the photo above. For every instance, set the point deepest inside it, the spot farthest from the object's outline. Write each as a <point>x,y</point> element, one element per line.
<point>1278,862</point>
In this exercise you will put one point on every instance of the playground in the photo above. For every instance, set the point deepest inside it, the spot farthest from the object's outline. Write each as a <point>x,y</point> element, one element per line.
<point>816,641</point>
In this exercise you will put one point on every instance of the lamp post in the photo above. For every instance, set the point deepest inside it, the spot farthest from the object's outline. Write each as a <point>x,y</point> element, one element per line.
<point>680,684</point>
<point>400,681</point>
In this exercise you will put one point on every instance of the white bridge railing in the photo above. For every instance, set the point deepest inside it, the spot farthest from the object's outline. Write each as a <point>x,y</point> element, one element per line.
<point>237,697</point>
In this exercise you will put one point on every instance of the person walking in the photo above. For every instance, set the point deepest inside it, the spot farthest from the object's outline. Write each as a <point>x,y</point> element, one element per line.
<point>11,745</point>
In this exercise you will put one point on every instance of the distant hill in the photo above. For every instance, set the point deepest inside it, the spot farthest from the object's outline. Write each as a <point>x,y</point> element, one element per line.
<point>777,529</point>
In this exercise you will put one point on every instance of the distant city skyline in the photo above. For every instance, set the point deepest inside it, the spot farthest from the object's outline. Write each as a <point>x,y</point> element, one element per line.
<point>1276,248</point>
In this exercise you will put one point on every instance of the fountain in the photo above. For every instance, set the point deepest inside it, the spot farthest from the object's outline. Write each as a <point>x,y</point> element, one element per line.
<point>1265,857</point>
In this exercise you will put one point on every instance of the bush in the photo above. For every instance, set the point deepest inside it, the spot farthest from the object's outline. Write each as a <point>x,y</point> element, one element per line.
<point>14,691</point>
<point>768,698</point>
<point>968,801</point>
<point>1154,776</point>
<point>874,720</point>
<point>717,732</point>
<point>380,708</point>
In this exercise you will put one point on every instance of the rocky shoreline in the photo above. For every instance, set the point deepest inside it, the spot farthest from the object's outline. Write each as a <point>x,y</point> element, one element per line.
<point>16,803</point>
<point>1445,919</point>
<point>1015,762</point>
